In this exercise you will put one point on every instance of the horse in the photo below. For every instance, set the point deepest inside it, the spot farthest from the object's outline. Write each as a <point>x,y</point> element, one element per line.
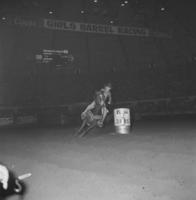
<point>93,115</point>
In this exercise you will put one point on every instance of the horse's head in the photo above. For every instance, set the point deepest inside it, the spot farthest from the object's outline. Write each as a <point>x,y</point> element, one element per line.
<point>99,98</point>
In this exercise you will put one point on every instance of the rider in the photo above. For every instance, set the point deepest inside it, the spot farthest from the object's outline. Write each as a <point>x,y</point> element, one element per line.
<point>106,90</point>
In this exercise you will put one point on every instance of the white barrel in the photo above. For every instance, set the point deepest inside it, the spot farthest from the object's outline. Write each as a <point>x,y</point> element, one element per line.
<point>122,120</point>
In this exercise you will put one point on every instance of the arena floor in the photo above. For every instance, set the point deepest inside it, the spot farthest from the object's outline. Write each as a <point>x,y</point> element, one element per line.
<point>157,161</point>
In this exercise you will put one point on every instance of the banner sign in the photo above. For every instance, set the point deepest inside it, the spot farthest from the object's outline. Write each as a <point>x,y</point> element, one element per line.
<point>94,28</point>
<point>59,58</point>
<point>63,25</point>
<point>24,21</point>
<point>5,121</point>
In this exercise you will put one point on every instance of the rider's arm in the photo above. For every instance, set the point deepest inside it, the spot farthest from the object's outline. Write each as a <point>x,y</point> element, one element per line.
<point>109,98</point>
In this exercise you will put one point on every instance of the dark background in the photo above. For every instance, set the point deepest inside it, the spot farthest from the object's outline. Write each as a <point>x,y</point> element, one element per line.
<point>138,67</point>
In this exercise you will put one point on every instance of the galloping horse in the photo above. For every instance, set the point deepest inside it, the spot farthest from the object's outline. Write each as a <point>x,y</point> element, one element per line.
<point>93,115</point>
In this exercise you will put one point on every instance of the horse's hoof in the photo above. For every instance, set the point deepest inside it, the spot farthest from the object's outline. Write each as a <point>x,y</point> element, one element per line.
<point>80,136</point>
<point>76,134</point>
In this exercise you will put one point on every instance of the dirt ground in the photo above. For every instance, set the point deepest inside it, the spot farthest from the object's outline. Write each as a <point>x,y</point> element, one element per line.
<point>157,161</point>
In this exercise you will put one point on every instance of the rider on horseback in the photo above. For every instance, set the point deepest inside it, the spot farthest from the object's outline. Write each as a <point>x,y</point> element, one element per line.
<point>96,112</point>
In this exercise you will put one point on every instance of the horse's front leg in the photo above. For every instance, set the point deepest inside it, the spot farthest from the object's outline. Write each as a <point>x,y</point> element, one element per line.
<point>81,127</point>
<point>87,130</point>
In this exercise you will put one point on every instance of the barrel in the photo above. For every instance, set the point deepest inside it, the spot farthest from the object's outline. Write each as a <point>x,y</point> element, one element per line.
<point>122,120</point>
